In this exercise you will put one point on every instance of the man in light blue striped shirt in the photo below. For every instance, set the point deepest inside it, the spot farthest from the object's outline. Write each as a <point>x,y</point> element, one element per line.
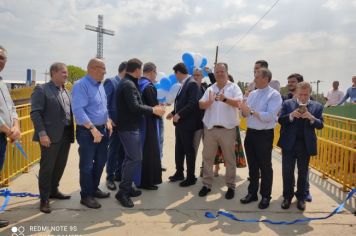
<point>261,109</point>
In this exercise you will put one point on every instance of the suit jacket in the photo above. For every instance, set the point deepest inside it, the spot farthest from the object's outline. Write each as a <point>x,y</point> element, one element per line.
<point>289,130</point>
<point>186,105</point>
<point>47,112</point>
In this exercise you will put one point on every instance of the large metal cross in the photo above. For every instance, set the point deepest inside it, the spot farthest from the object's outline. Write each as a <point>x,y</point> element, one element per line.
<point>100,30</point>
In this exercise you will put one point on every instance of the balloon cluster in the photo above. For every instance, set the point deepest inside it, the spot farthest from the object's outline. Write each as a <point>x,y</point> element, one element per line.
<point>168,87</point>
<point>194,60</point>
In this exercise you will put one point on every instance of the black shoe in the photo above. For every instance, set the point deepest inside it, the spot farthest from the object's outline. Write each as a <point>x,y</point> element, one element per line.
<point>90,202</point>
<point>249,198</point>
<point>176,177</point>
<point>4,223</point>
<point>286,203</point>
<point>110,184</point>
<point>135,193</point>
<point>264,203</point>
<point>204,191</point>
<point>152,187</point>
<point>188,182</point>
<point>301,205</point>
<point>124,199</point>
<point>59,195</point>
<point>230,194</point>
<point>44,206</point>
<point>100,194</point>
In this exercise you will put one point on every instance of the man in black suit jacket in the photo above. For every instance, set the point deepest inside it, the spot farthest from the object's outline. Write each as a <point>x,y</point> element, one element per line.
<point>299,118</point>
<point>185,117</point>
<point>52,118</point>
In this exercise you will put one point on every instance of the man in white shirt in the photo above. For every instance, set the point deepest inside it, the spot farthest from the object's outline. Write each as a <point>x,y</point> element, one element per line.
<point>334,96</point>
<point>220,102</point>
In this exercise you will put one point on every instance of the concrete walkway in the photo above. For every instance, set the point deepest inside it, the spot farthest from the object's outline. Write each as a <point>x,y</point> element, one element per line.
<point>173,210</point>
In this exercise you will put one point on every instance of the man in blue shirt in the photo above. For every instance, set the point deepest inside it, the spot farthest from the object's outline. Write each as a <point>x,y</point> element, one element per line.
<point>261,109</point>
<point>350,93</point>
<point>93,129</point>
<point>116,152</point>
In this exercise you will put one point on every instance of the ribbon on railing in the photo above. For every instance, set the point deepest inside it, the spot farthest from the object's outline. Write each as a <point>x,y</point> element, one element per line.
<point>20,148</point>
<point>306,219</point>
<point>8,194</point>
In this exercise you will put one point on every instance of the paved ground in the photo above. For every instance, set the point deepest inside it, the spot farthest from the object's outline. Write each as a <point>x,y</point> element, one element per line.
<point>173,210</point>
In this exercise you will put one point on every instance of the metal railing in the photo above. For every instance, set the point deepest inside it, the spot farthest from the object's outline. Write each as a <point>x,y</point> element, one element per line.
<point>15,162</point>
<point>336,157</point>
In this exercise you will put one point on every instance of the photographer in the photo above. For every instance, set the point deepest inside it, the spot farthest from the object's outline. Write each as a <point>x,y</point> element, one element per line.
<point>299,118</point>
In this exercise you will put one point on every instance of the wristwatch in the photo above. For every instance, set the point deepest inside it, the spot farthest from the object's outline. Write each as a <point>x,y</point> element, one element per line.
<point>252,112</point>
<point>91,127</point>
<point>224,100</point>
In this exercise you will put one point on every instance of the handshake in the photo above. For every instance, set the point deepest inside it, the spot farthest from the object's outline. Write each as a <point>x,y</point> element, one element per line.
<point>159,110</point>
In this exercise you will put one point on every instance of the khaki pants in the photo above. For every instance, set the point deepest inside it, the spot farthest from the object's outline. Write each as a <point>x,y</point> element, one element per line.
<point>225,138</point>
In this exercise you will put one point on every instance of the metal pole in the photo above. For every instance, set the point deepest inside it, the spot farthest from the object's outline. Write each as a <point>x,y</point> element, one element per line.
<point>216,55</point>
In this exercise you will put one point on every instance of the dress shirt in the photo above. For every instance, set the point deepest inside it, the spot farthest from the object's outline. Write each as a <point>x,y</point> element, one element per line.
<point>334,97</point>
<point>89,102</point>
<point>7,108</point>
<point>350,93</point>
<point>220,113</point>
<point>110,86</point>
<point>267,102</point>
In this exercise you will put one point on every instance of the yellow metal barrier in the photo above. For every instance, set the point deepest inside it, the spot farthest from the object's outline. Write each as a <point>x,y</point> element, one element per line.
<point>336,157</point>
<point>15,163</point>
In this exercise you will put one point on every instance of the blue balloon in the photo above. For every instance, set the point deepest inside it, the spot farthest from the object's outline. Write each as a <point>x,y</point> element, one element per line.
<point>188,59</point>
<point>165,84</point>
<point>173,78</point>
<point>204,62</point>
<point>157,85</point>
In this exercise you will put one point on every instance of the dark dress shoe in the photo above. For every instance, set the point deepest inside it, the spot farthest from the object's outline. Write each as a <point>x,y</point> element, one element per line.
<point>230,194</point>
<point>204,191</point>
<point>152,187</point>
<point>100,194</point>
<point>301,205</point>
<point>176,177</point>
<point>188,182</point>
<point>90,202</point>
<point>286,203</point>
<point>4,223</point>
<point>135,193</point>
<point>110,184</point>
<point>59,195</point>
<point>249,198</point>
<point>264,203</point>
<point>124,199</point>
<point>44,206</point>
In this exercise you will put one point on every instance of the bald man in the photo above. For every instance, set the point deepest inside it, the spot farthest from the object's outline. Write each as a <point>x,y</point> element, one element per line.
<point>93,130</point>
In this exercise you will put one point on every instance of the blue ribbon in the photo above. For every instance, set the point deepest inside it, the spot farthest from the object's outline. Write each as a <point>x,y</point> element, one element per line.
<point>307,219</point>
<point>19,146</point>
<point>8,194</point>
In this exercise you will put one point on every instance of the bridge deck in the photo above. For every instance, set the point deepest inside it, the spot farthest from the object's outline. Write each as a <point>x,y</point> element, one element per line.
<point>173,210</point>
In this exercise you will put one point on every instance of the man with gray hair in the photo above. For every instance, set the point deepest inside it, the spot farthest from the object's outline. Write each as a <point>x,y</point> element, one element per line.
<point>9,123</point>
<point>299,118</point>
<point>52,117</point>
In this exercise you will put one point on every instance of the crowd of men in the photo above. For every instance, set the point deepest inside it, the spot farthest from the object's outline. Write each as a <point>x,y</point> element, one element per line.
<point>119,124</point>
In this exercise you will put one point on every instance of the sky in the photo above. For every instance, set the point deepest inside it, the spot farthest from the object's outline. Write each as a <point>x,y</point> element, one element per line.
<point>315,38</point>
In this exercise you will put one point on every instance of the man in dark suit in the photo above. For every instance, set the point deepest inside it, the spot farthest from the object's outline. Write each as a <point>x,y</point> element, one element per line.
<point>116,153</point>
<point>185,118</point>
<point>52,118</point>
<point>299,118</point>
